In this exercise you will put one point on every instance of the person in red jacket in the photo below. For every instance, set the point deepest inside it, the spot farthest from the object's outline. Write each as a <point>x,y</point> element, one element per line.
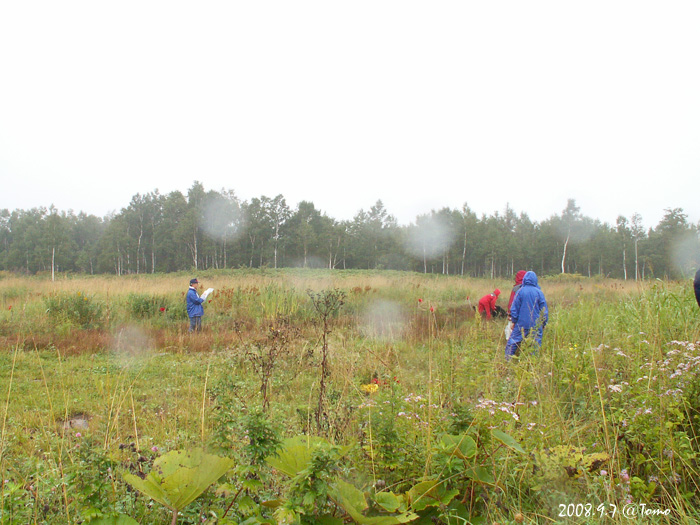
<point>487,304</point>
<point>518,283</point>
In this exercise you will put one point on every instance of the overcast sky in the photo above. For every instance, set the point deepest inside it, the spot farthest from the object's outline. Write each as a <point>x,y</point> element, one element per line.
<point>419,104</point>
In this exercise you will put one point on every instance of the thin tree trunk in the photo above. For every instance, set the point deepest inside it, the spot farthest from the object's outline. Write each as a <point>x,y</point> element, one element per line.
<point>138,248</point>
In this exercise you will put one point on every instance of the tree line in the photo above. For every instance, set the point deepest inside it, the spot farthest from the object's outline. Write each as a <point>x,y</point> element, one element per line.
<point>215,229</point>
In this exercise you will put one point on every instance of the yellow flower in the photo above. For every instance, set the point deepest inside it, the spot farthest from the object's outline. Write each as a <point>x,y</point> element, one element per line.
<point>370,388</point>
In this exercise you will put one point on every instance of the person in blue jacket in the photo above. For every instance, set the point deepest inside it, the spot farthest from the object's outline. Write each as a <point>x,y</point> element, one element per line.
<point>195,310</point>
<point>528,312</point>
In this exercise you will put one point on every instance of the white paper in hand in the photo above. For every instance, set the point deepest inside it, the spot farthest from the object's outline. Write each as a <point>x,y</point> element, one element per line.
<point>206,293</point>
<point>509,329</point>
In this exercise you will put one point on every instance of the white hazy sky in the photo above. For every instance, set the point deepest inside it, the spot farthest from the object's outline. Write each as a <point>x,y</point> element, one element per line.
<point>420,104</point>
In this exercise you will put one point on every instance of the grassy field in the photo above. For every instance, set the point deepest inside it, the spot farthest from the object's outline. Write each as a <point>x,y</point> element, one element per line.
<point>422,419</point>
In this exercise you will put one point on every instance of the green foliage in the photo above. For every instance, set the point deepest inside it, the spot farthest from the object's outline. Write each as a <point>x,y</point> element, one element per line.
<point>446,431</point>
<point>13,501</point>
<point>121,519</point>
<point>313,469</point>
<point>353,501</point>
<point>507,440</point>
<point>79,309</point>
<point>143,306</point>
<point>180,476</point>
<point>462,447</point>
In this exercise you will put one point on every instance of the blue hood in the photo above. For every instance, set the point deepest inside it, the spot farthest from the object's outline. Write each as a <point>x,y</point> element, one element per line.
<point>530,279</point>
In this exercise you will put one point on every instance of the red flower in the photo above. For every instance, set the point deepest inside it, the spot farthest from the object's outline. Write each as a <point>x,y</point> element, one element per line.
<point>162,308</point>
<point>432,309</point>
<point>10,307</point>
<point>375,381</point>
<point>420,300</point>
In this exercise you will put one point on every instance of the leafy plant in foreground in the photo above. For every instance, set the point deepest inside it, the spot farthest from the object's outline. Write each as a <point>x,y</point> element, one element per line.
<point>179,477</point>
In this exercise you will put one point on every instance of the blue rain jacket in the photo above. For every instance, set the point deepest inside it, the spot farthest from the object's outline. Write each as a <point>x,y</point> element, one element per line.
<point>194,303</point>
<point>528,305</point>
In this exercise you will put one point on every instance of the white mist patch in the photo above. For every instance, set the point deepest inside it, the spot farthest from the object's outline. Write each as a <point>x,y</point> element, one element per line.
<point>131,343</point>
<point>384,320</point>
<point>311,262</point>
<point>221,219</point>
<point>685,255</point>
<point>578,233</point>
<point>430,237</point>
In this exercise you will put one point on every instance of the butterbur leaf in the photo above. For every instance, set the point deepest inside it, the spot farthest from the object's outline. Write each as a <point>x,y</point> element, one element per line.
<point>351,495</point>
<point>507,440</point>
<point>294,454</point>
<point>388,501</point>
<point>430,493</point>
<point>115,520</point>
<point>353,502</point>
<point>180,476</point>
<point>463,447</point>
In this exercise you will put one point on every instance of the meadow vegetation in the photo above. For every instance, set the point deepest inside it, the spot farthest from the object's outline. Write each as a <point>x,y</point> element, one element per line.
<point>335,397</point>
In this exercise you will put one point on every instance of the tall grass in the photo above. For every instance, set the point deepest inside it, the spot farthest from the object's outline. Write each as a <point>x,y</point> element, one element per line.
<point>140,378</point>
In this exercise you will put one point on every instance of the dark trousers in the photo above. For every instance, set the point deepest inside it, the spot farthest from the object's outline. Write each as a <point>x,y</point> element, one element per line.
<point>196,323</point>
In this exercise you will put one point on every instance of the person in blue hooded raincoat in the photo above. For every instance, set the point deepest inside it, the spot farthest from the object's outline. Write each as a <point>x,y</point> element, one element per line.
<point>528,312</point>
<point>195,310</point>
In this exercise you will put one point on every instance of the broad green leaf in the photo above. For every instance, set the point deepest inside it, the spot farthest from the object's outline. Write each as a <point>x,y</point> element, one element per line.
<point>507,440</point>
<point>294,454</point>
<point>328,520</point>
<point>482,475</point>
<point>430,493</point>
<point>180,476</point>
<point>115,520</point>
<point>388,501</point>
<point>463,446</point>
<point>353,502</point>
<point>351,495</point>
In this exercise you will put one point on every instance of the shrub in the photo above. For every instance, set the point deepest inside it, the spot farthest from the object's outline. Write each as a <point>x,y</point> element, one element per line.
<point>77,308</point>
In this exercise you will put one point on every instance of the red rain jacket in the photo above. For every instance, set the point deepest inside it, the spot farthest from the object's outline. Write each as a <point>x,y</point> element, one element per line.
<point>518,283</point>
<point>488,303</point>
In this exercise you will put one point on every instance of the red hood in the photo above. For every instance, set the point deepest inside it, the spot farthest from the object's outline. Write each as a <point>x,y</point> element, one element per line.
<point>519,277</point>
